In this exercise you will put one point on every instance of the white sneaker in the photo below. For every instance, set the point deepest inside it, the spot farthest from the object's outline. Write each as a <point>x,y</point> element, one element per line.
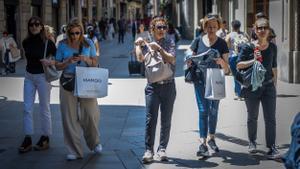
<point>98,149</point>
<point>162,155</point>
<point>71,157</point>
<point>148,157</point>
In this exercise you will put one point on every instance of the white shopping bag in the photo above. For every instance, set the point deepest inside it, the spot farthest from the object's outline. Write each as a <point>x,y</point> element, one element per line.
<point>91,82</point>
<point>215,84</point>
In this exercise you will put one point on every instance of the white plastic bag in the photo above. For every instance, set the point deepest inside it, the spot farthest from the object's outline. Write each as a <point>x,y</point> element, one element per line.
<point>215,84</point>
<point>14,55</point>
<point>91,82</point>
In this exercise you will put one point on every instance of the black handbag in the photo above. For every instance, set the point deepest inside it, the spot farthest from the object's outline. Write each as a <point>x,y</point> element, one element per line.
<point>68,83</point>
<point>243,76</point>
<point>192,74</point>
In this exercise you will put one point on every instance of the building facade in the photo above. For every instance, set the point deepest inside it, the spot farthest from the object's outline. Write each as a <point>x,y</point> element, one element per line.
<point>284,16</point>
<point>185,14</point>
<point>14,14</point>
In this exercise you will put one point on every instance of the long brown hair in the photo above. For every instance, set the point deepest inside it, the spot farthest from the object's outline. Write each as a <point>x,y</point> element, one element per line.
<point>73,24</point>
<point>42,33</point>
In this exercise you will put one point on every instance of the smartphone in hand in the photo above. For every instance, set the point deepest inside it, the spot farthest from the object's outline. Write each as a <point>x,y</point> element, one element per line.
<point>76,57</point>
<point>75,54</point>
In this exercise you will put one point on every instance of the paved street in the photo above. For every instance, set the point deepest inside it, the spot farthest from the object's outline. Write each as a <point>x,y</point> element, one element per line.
<point>123,120</point>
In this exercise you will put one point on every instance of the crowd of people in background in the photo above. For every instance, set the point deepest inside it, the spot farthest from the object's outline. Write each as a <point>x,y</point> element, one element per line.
<point>79,43</point>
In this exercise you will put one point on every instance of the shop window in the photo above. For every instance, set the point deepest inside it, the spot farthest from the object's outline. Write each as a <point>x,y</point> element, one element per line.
<point>253,7</point>
<point>36,10</point>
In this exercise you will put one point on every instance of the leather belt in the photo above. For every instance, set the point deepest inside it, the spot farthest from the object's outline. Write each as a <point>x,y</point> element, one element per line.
<point>164,82</point>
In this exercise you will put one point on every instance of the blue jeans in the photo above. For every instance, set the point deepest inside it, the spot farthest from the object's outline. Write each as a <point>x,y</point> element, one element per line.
<point>266,95</point>
<point>159,96</point>
<point>208,111</point>
<point>232,64</point>
<point>36,83</point>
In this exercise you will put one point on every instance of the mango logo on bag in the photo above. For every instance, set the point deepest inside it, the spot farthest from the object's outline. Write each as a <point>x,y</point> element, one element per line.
<point>93,80</point>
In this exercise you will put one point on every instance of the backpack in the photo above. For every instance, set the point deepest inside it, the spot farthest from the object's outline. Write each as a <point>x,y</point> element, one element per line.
<point>238,41</point>
<point>292,157</point>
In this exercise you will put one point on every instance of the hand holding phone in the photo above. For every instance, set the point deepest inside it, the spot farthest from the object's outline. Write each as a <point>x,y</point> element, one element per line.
<point>76,58</point>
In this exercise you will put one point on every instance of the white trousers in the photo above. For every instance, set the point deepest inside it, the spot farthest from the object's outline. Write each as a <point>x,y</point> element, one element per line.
<point>33,83</point>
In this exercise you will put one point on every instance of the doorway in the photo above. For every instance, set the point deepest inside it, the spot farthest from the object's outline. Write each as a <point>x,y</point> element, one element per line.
<point>11,19</point>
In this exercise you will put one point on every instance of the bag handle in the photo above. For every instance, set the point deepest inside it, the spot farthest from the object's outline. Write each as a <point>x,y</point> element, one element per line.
<point>152,54</point>
<point>45,50</point>
<point>148,46</point>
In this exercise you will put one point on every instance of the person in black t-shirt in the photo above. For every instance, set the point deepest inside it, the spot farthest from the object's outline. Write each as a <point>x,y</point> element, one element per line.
<point>35,81</point>
<point>266,53</point>
<point>271,36</point>
<point>208,109</point>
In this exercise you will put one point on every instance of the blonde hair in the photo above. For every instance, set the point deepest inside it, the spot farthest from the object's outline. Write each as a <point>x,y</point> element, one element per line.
<point>49,29</point>
<point>261,21</point>
<point>211,17</point>
<point>154,21</point>
<point>75,23</point>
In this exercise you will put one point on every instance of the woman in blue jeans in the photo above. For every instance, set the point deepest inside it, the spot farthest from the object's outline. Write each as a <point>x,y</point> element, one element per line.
<point>35,82</point>
<point>208,109</point>
<point>266,53</point>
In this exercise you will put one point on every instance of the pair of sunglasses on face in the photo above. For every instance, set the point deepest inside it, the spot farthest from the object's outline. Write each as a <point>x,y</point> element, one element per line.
<point>260,28</point>
<point>212,16</point>
<point>161,27</point>
<point>75,33</point>
<point>36,24</point>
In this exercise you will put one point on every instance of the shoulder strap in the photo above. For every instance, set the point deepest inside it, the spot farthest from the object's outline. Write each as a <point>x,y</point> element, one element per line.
<point>197,42</point>
<point>45,50</point>
<point>80,48</point>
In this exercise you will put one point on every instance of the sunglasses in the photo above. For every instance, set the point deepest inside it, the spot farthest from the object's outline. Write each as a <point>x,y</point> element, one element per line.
<point>75,33</point>
<point>36,24</point>
<point>212,16</point>
<point>262,28</point>
<point>161,27</point>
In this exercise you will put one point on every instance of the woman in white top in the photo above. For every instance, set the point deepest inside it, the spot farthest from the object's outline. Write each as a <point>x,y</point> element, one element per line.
<point>6,44</point>
<point>234,39</point>
<point>91,35</point>
<point>142,33</point>
<point>145,35</point>
<point>111,30</point>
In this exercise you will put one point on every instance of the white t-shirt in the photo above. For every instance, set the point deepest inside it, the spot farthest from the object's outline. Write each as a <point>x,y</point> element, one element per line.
<point>145,35</point>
